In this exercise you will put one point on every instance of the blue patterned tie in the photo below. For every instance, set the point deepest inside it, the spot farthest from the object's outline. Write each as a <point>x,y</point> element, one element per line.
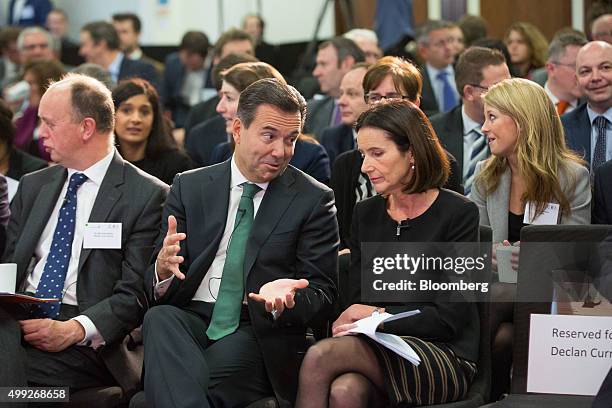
<point>599,155</point>
<point>448,93</point>
<point>51,283</point>
<point>479,152</point>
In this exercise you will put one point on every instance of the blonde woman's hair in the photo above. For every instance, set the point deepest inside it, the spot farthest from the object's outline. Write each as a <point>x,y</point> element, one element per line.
<point>537,43</point>
<point>540,147</point>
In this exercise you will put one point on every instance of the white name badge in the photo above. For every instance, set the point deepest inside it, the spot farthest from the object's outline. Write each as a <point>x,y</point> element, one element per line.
<point>549,216</point>
<point>102,235</point>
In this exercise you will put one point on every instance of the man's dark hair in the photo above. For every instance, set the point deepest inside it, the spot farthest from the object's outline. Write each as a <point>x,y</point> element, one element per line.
<point>136,24</point>
<point>272,92</point>
<point>195,42</point>
<point>231,35</point>
<point>227,62</point>
<point>8,35</point>
<point>471,63</point>
<point>103,31</point>
<point>344,48</point>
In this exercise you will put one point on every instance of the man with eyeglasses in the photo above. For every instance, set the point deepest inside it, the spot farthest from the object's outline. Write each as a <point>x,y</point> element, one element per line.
<point>37,43</point>
<point>459,131</point>
<point>434,41</point>
<point>562,86</point>
<point>601,28</point>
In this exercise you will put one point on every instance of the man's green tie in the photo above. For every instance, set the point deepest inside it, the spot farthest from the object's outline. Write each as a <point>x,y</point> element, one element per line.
<point>226,314</point>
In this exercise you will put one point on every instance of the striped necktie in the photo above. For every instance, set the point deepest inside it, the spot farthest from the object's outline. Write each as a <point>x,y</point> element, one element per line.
<point>479,150</point>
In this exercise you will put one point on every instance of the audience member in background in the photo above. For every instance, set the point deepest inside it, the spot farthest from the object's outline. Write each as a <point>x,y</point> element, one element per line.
<point>574,37</point>
<point>530,168</point>
<point>99,44</point>
<point>141,133</point>
<point>408,168</point>
<point>390,78</point>
<point>527,47</point>
<point>459,130</point>
<point>28,12</point>
<point>434,40</point>
<point>205,110</point>
<point>588,128</point>
<point>58,25</point>
<point>602,194</point>
<point>185,76</point>
<point>474,28</point>
<point>341,138</point>
<point>14,163</point>
<point>562,85</point>
<point>367,40</point>
<point>37,43</point>
<point>38,74</point>
<point>308,156</point>
<point>334,58</point>
<point>10,61</point>
<point>457,41</point>
<point>128,28</point>
<point>97,72</point>
<point>601,28</point>
<point>254,25</point>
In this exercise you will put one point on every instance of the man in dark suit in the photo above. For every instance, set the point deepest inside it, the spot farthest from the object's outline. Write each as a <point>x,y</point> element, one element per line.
<point>334,58</point>
<point>588,128</point>
<point>99,44</point>
<point>128,26</point>
<point>602,194</point>
<point>203,139</point>
<point>231,314</point>
<point>339,139</point>
<point>434,46</point>
<point>459,131</point>
<point>57,217</point>
<point>30,13</point>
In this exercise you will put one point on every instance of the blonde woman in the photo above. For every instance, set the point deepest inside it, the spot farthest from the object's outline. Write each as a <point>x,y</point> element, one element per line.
<point>527,46</point>
<point>529,164</point>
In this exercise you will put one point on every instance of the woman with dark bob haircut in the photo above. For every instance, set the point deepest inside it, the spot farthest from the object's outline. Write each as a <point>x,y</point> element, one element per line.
<point>143,137</point>
<point>407,167</point>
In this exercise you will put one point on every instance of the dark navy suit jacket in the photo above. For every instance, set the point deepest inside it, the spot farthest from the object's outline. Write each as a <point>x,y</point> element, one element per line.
<point>34,12</point>
<point>337,140</point>
<point>577,128</point>
<point>138,69</point>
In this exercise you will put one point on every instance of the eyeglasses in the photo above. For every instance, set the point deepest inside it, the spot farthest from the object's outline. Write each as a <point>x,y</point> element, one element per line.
<point>375,98</point>
<point>484,88</point>
<point>572,66</point>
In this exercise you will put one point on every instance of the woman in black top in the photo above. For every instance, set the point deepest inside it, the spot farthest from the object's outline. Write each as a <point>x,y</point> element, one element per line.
<point>407,166</point>
<point>143,138</point>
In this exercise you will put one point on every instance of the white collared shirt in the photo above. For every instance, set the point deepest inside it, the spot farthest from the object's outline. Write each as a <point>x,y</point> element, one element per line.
<point>209,287</point>
<point>115,67</point>
<point>86,196</point>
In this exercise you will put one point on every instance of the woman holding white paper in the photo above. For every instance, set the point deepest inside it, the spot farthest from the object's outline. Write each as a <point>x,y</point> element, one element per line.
<point>407,166</point>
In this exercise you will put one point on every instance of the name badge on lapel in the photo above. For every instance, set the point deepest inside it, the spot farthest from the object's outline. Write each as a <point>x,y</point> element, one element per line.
<point>549,216</point>
<point>102,235</point>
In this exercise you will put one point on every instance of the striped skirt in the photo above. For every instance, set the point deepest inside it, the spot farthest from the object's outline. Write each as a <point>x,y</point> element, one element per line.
<point>440,378</point>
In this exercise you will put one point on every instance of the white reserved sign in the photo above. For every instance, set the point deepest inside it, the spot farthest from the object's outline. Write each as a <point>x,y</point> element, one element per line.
<point>568,354</point>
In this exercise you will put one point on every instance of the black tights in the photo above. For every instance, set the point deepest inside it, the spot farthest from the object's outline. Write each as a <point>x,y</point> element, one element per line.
<point>341,372</point>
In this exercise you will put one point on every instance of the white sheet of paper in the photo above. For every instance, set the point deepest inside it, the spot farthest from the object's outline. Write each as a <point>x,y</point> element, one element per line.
<point>394,343</point>
<point>550,216</point>
<point>102,235</point>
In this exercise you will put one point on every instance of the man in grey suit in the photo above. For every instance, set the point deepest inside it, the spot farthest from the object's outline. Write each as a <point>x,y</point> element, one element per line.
<point>459,131</point>
<point>81,231</point>
<point>334,59</point>
<point>248,262</point>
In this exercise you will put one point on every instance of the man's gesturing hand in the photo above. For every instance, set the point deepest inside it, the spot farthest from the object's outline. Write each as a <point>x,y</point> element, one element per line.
<point>168,260</point>
<point>279,294</point>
